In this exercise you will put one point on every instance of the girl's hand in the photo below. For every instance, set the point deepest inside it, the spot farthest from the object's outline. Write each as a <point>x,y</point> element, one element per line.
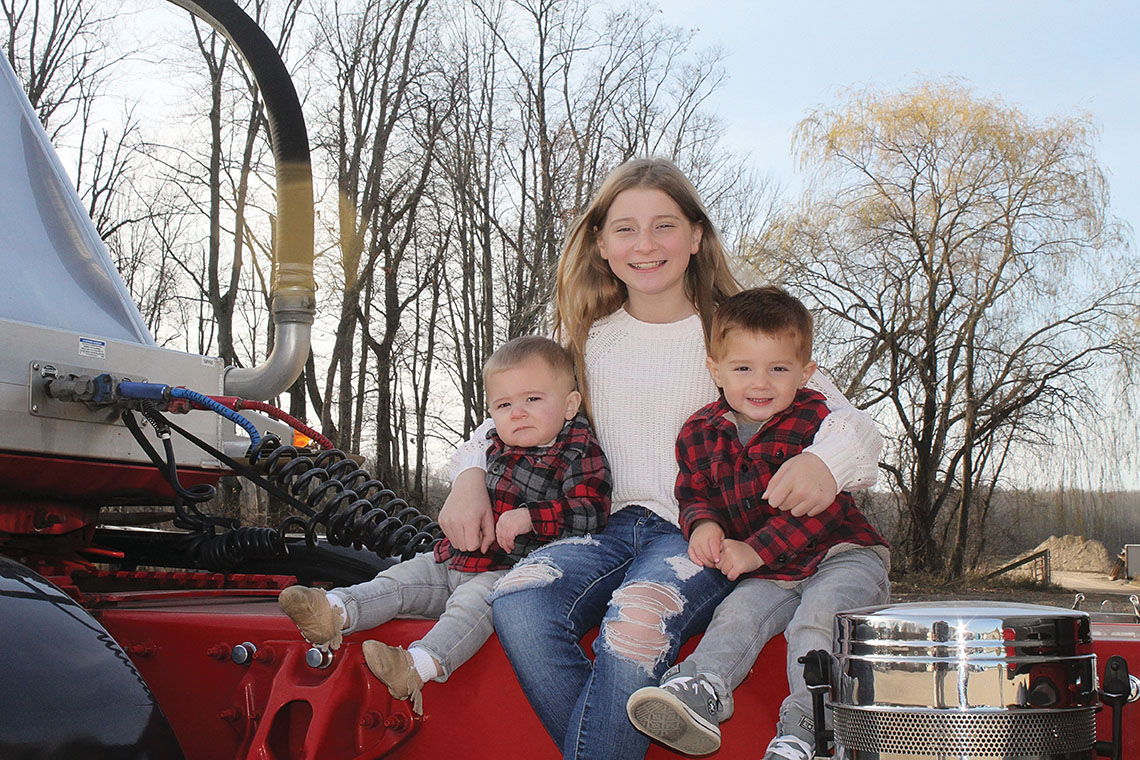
<point>704,543</point>
<point>510,526</point>
<point>466,518</point>
<point>803,486</point>
<point>738,558</point>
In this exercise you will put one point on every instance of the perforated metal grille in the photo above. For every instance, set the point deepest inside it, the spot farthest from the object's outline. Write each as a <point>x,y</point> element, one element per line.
<point>993,734</point>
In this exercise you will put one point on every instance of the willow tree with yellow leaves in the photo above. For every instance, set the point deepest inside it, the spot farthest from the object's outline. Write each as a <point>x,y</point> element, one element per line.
<point>970,288</point>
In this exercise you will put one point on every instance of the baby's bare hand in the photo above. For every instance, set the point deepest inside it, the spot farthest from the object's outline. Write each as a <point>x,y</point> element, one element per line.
<point>512,525</point>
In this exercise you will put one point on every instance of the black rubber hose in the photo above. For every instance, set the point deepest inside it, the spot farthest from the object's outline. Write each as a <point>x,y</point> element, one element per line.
<point>287,134</point>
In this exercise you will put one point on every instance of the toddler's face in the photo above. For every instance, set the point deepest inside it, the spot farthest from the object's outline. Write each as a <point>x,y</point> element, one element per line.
<point>760,374</point>
<point>530,402</point>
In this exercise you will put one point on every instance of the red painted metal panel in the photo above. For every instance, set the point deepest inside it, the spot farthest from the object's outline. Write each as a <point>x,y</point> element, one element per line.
<point>90,480</point>
<point>278,707</point>
<point>275,705</point>
<point>1119,639</point>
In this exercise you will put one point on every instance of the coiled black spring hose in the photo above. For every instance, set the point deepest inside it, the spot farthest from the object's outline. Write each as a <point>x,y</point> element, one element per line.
<point>338,497</point>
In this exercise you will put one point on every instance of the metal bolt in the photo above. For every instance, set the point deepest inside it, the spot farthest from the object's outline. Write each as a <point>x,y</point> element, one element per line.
<point>369,720</point>
<point>218,651</point>
<point>318,658</point>
<point>397,722</point>
<point>36,366</point>
<point>243,653</point>
<point>143,649</point>
<point>35,408</point>
<point>263,655</point>
<point>229,715</point>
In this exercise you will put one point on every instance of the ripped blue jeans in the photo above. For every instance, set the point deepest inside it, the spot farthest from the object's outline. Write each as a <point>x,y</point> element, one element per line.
<point>635,578</point>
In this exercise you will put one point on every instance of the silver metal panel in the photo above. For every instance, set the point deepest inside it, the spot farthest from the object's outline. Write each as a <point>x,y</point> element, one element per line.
<point>1025,735</point>
<point>94,433</point>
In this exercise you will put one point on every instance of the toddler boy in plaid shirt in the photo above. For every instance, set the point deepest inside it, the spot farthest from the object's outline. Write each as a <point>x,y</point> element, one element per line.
<point>796,572</point>
<point>547,478</point>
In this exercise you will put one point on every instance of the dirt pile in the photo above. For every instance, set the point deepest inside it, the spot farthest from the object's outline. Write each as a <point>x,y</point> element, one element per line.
<point>1076,554</point>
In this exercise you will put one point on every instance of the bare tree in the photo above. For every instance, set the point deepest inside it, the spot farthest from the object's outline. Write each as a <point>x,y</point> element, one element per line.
<point>59,50</point>
<point>555,94</point>
<point>536,39</point>
<point>469,191</point>
<point>969,281</point>
<point>379,135</point>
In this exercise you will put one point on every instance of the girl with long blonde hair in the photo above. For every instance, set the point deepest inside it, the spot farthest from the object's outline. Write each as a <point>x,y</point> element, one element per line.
<point>641,275</point>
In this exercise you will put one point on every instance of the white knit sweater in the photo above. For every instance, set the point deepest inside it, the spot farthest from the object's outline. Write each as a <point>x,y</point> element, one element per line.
<point>646,380</point>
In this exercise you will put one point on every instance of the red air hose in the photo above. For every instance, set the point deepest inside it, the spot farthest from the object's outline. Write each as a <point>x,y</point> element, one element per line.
<point>235,403</point>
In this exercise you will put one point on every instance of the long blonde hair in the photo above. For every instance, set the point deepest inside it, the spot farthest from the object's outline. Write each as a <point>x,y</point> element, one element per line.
<point>586,287</point>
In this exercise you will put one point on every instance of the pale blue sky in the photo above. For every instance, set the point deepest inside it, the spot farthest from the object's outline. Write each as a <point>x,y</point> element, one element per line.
<point>1047,57</point>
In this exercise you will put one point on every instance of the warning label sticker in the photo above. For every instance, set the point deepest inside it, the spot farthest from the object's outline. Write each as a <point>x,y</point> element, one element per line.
<point>93,347</point>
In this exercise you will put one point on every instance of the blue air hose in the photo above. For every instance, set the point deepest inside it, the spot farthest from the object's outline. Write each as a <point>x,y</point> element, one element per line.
<point>209,403</point>
<point>159,392</point>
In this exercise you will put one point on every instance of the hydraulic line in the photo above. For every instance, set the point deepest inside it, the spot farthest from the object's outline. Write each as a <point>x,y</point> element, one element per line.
<point>335,495</point>
<point>349,505</point>
<point>209,403</point>
<point>202,537</point>
<point>237,404</point>
<point>159,392</point>
<point>227,406</point>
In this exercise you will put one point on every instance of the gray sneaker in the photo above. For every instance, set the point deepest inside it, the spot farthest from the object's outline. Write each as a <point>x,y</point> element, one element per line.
<point>680,713</point>
<point>789,747</point>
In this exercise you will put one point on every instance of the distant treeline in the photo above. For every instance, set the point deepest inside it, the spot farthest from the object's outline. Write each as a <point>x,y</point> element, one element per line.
<point>1018,521</point>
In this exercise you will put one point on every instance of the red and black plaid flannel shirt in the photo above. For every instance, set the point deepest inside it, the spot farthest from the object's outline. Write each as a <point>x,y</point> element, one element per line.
<point>566,487</point>
<point>721,479</point>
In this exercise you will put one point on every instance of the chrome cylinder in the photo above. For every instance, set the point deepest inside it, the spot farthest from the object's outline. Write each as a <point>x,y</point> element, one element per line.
<point>965,680</point>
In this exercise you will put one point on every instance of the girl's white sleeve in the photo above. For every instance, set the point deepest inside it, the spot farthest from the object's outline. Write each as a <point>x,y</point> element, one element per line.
<point>848,441</point>
<point>473,451</point>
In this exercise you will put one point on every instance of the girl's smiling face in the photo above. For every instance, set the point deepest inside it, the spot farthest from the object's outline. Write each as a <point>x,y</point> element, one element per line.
<point>648,241</point>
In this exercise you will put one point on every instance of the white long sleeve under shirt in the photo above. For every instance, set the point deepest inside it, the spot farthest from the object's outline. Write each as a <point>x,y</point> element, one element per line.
<point>646,379</point>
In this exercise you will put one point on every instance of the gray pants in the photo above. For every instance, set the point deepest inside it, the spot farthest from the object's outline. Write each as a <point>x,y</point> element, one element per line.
<point>758,610</point>
<point>423,588</point>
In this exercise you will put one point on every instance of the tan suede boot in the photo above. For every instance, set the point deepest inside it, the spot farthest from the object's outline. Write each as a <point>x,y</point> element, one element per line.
<point>309,608</point>
<point>394,666</point>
